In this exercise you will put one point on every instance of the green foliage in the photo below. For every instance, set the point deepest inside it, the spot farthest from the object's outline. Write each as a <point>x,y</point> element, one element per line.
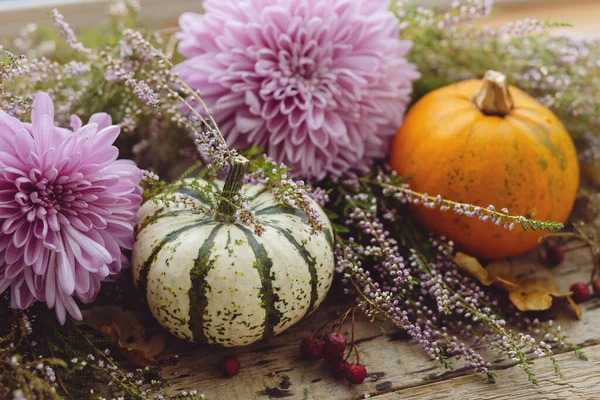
<point>41,359</point>
<point>19,361</point>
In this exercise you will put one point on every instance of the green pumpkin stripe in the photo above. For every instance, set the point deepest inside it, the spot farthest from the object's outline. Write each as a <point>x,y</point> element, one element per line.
<point>216,187</point>
<point>263,265</point>
<point>192,193</point>
<point>198,292</point>
<point>157,216</point>
<point>308,259</point>
<point>259,193</point>
<point>279,209</point>
<point>145,269</point>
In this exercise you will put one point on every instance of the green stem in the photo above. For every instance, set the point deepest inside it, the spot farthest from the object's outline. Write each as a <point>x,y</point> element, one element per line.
<point>231,189</point>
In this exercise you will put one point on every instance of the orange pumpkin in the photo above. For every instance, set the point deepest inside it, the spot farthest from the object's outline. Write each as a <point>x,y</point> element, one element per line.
<point>483,142</point>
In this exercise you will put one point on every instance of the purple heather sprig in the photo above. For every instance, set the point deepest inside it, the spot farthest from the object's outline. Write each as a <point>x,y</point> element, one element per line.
<point>401,191</point>
<point>143,92</point>
<point>319,195</point>
<point>149,177</point>
<point>67,33</point>
<point>408,314</point>
<point>288,191</point>
<point>381,246</point>
<point>11,65</point>
<point>417,286</point>
<point>136,52</point>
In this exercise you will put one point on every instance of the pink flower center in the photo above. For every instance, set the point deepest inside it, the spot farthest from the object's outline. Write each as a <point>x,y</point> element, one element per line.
<point>39,196</point>
<point>297,73</point>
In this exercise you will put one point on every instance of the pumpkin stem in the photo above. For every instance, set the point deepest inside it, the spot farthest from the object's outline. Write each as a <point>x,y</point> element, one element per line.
<point>493,97</point>
<point>231,189</point>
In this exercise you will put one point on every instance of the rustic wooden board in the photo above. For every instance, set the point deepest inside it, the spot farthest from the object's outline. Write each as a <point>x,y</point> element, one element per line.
<point>397,367</point>
<point>582,382</point>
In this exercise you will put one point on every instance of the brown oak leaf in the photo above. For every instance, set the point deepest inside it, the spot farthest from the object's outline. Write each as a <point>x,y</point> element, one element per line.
<point>528,290</point>
<point>135,342</point>
<point>473,267</point>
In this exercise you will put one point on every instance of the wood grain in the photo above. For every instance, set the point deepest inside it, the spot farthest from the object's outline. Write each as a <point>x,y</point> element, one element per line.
<point>582,382</point>
<point>274,369</point>
<point>398,369</point>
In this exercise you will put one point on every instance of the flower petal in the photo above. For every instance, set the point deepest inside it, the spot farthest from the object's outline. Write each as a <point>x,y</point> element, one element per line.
<point>103,120</point>
<point>42,133</point>
<point>92,248</point>
<point>106,136</point>
<point>42,105</point>
<point>65,273</point>
<point>75,122</point>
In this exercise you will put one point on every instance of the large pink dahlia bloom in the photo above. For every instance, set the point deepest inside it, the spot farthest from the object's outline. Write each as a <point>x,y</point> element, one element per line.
<point>67,207</point>
<point>322,85</point>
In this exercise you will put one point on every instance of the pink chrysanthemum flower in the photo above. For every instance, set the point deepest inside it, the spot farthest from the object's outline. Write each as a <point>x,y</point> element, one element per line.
<point>67,207</point>
<point>321,85</point>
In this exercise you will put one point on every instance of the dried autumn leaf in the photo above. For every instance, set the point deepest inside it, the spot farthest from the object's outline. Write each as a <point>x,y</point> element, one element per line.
<point>528,289</point>
<point>538,283</point>
<point>137,356</point>
<point>136,343</point>
<point>506,285</point>
<point>472,266</point>
<point>501,273</point>
<point>574,306</point>
<point>530,301</point>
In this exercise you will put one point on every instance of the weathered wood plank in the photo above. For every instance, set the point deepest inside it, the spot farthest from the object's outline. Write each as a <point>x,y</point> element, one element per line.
<point>274,369</point>
<point>582,382</point>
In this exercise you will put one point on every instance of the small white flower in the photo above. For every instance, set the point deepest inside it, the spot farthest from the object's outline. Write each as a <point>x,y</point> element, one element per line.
<point>18,395</point>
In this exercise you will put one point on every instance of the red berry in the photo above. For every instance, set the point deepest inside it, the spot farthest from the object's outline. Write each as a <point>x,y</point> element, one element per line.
<point>312,348</point>
<point>230,366</point>
<point>335,343</point>
<point>355,373</point>
<point>338,368</point>
<point>581,291</point>
<point>332,355</point>
<point>555,254</point>
<point>596,286</point>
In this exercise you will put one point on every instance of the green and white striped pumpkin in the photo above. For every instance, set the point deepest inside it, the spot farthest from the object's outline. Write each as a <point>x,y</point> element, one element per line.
<point>218,282</point>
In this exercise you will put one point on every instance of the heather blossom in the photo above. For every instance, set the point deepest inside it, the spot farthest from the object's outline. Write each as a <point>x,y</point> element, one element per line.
<point>321,85</point>
<point>416,285</point>
<point>67,208</point>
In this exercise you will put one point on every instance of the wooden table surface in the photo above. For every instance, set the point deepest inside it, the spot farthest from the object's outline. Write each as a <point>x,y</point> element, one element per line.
<point>397,368</point>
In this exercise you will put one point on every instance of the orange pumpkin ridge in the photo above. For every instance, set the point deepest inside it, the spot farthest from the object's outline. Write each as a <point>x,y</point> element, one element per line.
<point>483,142</point>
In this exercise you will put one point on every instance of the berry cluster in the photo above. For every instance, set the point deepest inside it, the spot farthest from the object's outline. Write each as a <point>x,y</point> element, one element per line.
<point>554,255</point>
<point>332,350</point>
